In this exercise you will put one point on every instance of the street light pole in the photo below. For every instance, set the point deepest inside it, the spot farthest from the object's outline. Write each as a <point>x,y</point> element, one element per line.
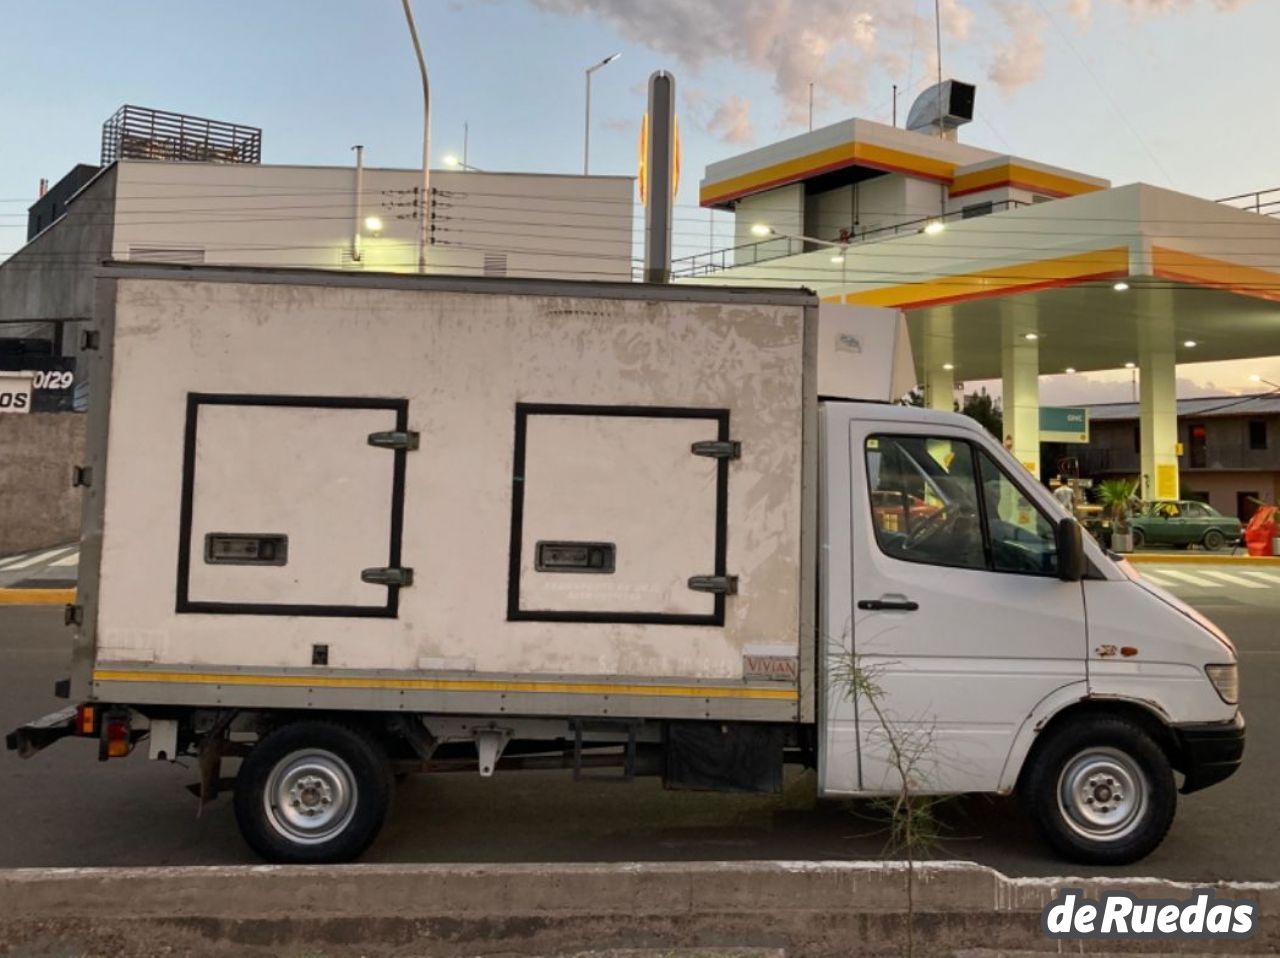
<point>424,199</point>
<point>586,139</point>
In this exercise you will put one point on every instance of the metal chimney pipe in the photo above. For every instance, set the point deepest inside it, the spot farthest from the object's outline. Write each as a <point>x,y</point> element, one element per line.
<point>359,219</point>
<point>660,173</point>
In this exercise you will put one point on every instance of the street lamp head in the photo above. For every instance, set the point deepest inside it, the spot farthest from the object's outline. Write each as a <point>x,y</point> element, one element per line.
<point>603,63</point>
<point>761,229</point>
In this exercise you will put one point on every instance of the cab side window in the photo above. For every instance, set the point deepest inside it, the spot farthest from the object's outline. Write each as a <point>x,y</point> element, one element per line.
<point>944,502</point>
<point>924,500</point>
<point>1021,538</point>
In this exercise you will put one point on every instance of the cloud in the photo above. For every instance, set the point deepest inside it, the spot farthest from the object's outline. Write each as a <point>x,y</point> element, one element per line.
<point>1020,59</point>
<point>1110,387</point>
<point>1080,10</point>
<point>842,46</point>
<point>732,121</point>
<point>838,45</point>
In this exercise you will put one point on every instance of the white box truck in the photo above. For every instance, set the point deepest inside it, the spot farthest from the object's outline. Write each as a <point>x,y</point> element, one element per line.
<point>339,527</point>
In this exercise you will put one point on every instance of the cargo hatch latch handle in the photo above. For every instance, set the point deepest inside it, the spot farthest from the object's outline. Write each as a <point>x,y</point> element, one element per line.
<point>716,584</point>
<point>395,439</point>
<point>717,449</point>
<point>388,576</point>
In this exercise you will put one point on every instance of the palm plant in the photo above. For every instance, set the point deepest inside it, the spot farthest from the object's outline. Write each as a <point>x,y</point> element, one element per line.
<point>1116,496</point>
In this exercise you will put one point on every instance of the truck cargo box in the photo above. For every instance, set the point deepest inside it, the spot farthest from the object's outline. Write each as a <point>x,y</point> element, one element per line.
<point>330,491</point>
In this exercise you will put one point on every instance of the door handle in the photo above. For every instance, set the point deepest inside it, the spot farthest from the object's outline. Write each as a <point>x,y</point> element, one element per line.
<point>888,605</point>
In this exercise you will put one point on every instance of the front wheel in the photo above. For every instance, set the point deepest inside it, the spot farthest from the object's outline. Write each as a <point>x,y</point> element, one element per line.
<point>313,792</point>
<point>1214,540</point>
<point>1101,792</point>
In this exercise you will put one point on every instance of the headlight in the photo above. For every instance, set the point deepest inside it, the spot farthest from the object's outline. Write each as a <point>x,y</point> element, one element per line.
<point>1226,681</point>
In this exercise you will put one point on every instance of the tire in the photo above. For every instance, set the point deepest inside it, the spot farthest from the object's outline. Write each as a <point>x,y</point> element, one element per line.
<point>1077,769</point>
<point>1213,540</point>
<point>337,780</point>
<point>1139,538</point>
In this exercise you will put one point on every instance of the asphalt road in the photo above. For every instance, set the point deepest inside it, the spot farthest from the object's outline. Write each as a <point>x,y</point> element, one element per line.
<point>63,808</point>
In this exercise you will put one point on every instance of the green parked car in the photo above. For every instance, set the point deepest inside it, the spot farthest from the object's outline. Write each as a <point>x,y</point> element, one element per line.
<point>1181,522</point>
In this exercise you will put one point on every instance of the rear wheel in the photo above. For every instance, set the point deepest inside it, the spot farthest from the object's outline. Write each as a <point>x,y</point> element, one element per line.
<point>1214,540</point>
<point>1138,538</point>
<point>1101,792</point>
<point>313,792</point>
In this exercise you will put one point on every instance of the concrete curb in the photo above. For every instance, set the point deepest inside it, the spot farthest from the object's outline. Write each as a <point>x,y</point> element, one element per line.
<point>807,908</point>
<point>37,596</point>
<point>1207,558</point>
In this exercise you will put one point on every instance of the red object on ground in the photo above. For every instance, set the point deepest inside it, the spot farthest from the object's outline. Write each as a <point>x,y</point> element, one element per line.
<point>1262,528</point>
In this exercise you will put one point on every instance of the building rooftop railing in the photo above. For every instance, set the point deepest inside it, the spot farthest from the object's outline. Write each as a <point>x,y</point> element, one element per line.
<point>139,133</point>
<point>781,245</point>
<point>1266,202</point>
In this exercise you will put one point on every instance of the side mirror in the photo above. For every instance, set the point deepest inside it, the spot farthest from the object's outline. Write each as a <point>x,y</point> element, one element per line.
<point>1070,543</point>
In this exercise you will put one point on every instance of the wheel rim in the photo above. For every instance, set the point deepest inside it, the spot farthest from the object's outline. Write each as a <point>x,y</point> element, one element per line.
<point>310,796</point>
<point>1102,794</point>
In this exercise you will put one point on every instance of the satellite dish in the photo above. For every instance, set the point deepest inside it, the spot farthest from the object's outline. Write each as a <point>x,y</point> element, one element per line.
<point>942,108</point>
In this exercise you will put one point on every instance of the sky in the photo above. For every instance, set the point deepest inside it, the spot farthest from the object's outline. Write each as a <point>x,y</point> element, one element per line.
<point>1176,93</point>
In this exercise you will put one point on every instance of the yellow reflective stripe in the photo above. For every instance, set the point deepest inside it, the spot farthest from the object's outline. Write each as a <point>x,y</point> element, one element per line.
<point>1034,274</point>
<point>1011,174</point>
<point>446,685</point>
<point>834,157</point>
<point>37,596</point>
<point>1238,278</point>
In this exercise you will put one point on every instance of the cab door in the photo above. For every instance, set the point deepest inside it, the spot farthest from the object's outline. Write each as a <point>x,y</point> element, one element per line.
<point>958,623</point>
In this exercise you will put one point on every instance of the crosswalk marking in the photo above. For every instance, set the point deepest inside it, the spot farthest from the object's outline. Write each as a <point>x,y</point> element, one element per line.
<point>1234,579</point>
<point>13,560</point>
<point>1191,579</point>
<point>1152,577</point>
<point>1264,576</point>
<point>36,559</point>
<point>71,560</point>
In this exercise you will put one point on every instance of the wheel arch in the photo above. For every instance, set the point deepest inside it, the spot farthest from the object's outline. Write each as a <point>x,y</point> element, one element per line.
<point>1059,709</point>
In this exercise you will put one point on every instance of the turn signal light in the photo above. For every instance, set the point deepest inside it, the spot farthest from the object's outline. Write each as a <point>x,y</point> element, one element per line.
<point>86,720</point>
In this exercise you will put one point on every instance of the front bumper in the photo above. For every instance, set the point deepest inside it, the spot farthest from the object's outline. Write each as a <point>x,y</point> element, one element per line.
<point>1210,752</point>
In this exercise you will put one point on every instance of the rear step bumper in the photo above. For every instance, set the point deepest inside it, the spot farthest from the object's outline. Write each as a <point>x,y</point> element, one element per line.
<point>28,739</point>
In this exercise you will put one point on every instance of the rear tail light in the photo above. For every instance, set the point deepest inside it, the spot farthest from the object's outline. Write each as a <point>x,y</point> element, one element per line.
<point>117,736</point>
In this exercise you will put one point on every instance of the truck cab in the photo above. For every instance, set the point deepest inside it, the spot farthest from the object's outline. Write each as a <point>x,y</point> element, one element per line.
<point>1000,647</point>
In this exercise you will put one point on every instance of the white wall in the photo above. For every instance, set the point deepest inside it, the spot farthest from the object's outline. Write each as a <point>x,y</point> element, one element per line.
<point>783,209</point>
<point>544,225</point>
